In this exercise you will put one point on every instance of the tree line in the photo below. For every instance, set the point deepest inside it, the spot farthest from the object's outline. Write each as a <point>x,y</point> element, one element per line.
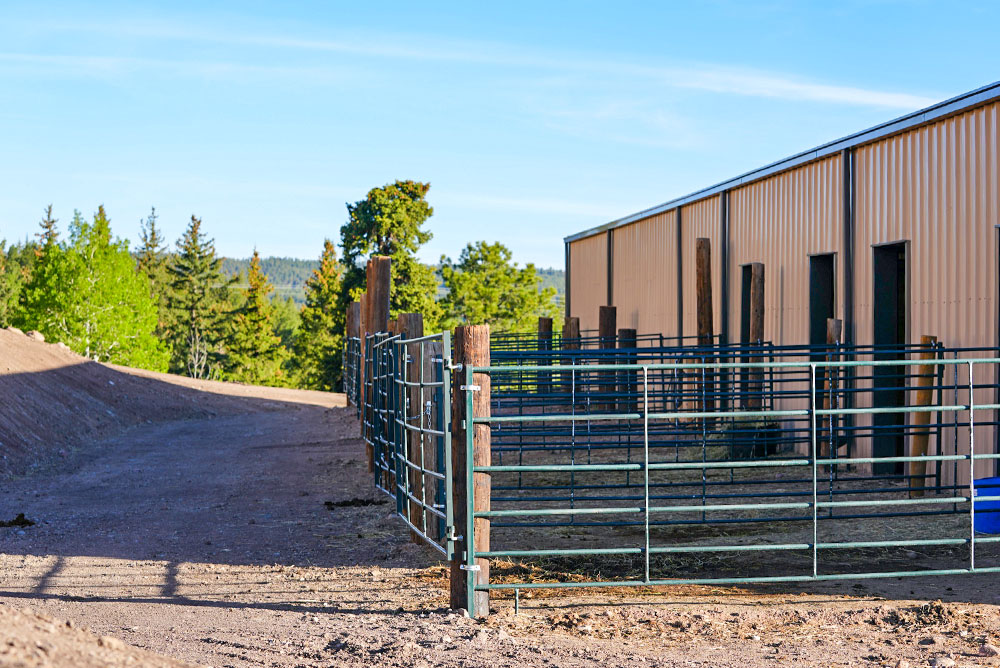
<point>178,310</point>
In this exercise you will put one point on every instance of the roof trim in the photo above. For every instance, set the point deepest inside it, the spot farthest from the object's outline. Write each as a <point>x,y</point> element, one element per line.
<point>935,112</point>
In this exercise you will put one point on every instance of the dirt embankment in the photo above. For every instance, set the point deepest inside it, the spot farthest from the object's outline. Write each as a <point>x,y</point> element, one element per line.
<point>33,639</point>
<point>54,400</point>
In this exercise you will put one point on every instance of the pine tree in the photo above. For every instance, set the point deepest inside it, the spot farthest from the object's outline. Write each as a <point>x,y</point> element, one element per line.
<point>91,297</point>
<point>49,236</point>
<point>255,351</point>
<point>318,347</point>
<point>196,304</point>
<point>151,259</point>
<point>43,299</point>
<point>152,254</point>
<point>389,221</point>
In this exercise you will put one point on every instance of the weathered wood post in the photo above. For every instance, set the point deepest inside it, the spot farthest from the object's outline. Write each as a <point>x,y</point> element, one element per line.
<point>703,291</point>
<point>606,330</point>
<point>545,359</point>
<point>706,325</point>
<point>921,434</point>
<point>834,331</point>
<point>378,275</point>
<point>570,341</point>
<point>471,347</point>
<point>411,326</point>
<point>756,398</point>
<point>628,390</point>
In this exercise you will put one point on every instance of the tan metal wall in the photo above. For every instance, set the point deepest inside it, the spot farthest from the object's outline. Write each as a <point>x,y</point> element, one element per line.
<point>645,274</point>
<point>937,187</point>
<point>780,221</point>
<point>701,219</point>
<point>588,276</point>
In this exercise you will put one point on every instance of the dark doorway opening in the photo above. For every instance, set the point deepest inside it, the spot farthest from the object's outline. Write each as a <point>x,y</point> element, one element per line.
<point>889,318</point>
<point>746,273</point>
<point>821,296</point>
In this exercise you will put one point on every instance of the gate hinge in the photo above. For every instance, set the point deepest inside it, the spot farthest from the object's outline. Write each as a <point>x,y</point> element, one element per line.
<point>470,388</point>
<point>465,567</point>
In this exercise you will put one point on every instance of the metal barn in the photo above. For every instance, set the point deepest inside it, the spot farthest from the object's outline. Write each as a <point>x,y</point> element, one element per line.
<point>893,230</point>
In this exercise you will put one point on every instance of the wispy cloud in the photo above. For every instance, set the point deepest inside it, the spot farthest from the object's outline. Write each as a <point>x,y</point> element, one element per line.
<point>110,66</point>
<point>714,78</point>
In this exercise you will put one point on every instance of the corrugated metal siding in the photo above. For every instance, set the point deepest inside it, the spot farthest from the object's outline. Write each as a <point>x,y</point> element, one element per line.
<point>937,187</point>
<point>701,219</point>
<point>780,221</point>
<point>588,275</point>
<point>645,274</point>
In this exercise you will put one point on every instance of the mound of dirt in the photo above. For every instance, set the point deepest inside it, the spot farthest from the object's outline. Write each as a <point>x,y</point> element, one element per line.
<point>54,400</point>
<point>29,639</point>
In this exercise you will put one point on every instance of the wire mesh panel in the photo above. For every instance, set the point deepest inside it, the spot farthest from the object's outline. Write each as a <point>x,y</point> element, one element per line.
<point>729,471</point>
<point>352,369</point>
<point>408,385</point>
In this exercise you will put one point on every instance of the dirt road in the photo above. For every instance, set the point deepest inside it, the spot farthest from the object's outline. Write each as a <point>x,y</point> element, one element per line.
<point>208,540</point>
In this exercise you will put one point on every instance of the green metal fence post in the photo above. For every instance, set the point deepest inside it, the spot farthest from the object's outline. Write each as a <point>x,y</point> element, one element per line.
<point>470,498</point>
<point>972,472</point>
<point>645,458</point>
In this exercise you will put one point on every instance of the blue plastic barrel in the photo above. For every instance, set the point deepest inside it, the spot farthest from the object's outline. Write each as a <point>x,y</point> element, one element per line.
<point>987,519</point>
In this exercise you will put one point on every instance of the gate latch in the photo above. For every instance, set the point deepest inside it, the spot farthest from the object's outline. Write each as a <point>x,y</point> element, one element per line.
<point>465,567</point>
<point>470,388</point>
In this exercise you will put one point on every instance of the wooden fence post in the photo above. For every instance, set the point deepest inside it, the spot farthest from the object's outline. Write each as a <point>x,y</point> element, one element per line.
<point>704,398</point>
<point>570,341</point>
<point>703,286</point>
<point>378,275</point>
<point>411,326</point>
<point>834,331</point>
<point>544,345</point>
<point>627,388</point>
<point>606,331</point>
<point>921,434</point>
<point>471,347</point>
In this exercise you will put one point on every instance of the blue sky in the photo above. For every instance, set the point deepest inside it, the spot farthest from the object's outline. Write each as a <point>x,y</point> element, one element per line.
<point>531,121</point>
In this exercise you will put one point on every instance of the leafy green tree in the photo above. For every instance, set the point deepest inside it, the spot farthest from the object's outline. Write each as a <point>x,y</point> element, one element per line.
<point>486,287</point>
<point>389,221</point>
<point>256,354</point>
<point>318,347</point>
<point>196,305</point>
<point>100,305</point>
<point>16,262</point>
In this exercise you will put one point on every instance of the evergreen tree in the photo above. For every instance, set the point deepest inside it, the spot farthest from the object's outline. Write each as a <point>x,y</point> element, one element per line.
<point>151,258</point>
<point>196,304</point>
<point>389,221</point>
<point>319,345</point>
<point>255,351</point>
<point>49,236</point>
<point>90,296</point>
<point>42,300</point>
<point>486,287</point>
<point>152,254</point>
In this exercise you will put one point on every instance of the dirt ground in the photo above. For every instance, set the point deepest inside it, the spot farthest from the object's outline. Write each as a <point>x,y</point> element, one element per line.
<point>208,538</point>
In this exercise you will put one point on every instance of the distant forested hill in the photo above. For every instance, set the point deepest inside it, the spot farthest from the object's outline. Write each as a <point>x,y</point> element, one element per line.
<point>289,275</point>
